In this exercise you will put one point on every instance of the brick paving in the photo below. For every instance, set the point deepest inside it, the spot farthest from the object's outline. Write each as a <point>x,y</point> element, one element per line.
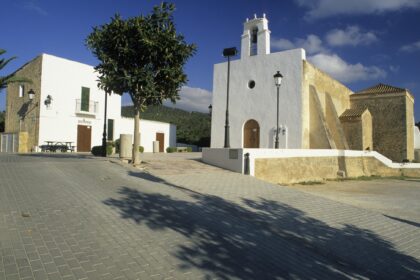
<point>77,217</point>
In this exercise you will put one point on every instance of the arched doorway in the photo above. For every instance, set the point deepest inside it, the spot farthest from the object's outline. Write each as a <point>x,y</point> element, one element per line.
<point>251,134</point>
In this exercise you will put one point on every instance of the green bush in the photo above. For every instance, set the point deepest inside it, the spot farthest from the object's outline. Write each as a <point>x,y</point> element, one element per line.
<point>117,145</point>
<point>171,149</point>
<point>97,150</point>
<point>189,149</point>
<point>141,149</point>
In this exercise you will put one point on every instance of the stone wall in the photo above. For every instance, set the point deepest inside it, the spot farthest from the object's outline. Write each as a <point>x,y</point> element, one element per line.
<point>301,169</point>
<point>392,118</point>
<point>354,133</point>
<point>358,131</point>
<point>22,114</point>
<point>334,100</point>
<point>367,131</point>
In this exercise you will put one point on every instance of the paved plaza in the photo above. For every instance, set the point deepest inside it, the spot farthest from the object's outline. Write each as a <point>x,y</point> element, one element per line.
<point>77,217</point>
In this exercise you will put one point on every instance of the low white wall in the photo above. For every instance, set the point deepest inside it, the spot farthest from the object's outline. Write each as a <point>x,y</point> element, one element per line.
<point>220,157</point>
<point>148,130</point>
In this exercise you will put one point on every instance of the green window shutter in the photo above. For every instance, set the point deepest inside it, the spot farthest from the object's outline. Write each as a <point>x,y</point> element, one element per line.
<point>85,99</point>
<point>110,130</point>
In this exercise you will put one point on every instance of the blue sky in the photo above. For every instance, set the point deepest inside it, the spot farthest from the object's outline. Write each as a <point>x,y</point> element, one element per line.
<point>359,42</point>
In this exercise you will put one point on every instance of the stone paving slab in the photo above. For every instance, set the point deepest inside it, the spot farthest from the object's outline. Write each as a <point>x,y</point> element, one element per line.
<point>87,218</point>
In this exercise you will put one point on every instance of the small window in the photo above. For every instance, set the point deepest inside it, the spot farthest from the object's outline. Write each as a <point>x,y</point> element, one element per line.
<point>21,90</point>
<point>251,84</point>
<point>85,99</point>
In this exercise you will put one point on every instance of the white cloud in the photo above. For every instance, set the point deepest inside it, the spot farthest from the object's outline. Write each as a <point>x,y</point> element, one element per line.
<point>352,35</point>
<point>282,44</point>
<point>411,47</point>
<point>394,68</point>
<point>312,44</point>
<point>325,59</point>
<point>33,6</point>
<point>343,71</point>
<point>192,99</point>
<point>326,8</point>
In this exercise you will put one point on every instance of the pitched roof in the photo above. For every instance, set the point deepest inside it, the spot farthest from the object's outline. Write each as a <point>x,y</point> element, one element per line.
<point>353,113</point>
<point>381,89</point>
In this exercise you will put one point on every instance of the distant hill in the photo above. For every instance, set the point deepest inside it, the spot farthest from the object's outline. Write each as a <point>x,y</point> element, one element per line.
<point>191,127</point>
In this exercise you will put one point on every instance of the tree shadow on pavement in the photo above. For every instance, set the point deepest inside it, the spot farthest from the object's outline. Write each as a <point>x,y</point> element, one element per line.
<point>262,239</point>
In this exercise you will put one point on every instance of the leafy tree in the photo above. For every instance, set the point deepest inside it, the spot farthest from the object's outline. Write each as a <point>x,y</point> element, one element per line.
<point>11,78</point>
<point>143,56</point>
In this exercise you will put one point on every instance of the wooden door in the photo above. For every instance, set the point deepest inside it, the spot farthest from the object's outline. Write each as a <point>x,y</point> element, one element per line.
<point>84,135</point>
<point>161,138</point>
<point>251,134</point>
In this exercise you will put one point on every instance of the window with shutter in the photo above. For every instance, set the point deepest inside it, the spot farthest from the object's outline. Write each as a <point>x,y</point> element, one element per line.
<point>85,99</point>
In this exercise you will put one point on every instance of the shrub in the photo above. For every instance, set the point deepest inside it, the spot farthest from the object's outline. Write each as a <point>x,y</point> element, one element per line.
<point>189,149</point>
<point>97,150</point>
<point>141,149</point>
<point>171,149</point>
<point>117,145</point>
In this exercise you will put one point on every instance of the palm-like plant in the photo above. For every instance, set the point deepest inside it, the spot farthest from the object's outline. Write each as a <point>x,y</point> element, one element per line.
<point>11,78</point>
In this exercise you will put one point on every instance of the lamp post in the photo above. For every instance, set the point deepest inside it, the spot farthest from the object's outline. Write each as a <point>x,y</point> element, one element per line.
<point>277,81</point>
<point>228,53</point>
<point>104,132</point>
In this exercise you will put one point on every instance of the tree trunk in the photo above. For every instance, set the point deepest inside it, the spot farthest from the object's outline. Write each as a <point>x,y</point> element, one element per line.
<point>136,154</point>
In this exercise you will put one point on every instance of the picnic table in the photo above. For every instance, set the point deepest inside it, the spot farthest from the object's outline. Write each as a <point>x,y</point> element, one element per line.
<point>54,146</point>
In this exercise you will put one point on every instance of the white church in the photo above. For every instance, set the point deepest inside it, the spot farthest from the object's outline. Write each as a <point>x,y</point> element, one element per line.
<point>316,111</point>
<point>252,104</point>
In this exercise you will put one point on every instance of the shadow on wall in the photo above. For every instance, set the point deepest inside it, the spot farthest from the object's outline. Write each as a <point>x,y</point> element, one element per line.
<point>262,240</point>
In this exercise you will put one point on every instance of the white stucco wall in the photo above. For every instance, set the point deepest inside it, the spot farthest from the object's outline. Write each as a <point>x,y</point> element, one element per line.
<point>416,138</point>
<point>259,103</point>
<point>148,130</point>
<point>63,79</point>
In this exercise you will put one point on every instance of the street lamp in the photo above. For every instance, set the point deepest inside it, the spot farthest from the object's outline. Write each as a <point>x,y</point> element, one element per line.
<point>228,53</point>
<point>277,81</point>
<point>31,94</point>
<point>104,132</point>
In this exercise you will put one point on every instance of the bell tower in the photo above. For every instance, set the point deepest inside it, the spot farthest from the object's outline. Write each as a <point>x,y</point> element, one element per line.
<point>256,37</point>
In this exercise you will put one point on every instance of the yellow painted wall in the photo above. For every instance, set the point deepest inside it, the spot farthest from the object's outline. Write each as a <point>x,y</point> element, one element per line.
<point>334,100</point>
<point>301,169</point>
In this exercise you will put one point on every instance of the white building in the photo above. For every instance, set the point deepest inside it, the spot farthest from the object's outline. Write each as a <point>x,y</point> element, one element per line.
<point>69,107</point>
<point>252,104</point>
<point>316,111</point>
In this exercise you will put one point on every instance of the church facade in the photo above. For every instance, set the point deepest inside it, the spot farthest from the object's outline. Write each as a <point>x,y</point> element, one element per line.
<point>315,112</point>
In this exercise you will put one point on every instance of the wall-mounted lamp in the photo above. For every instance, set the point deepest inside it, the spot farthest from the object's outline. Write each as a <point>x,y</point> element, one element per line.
<point>48,101</point>
<point>31,94</point>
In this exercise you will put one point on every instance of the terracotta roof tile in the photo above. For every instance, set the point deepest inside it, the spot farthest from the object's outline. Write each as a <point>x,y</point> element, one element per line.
<point>352,113</point>
<point>381,89</point>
